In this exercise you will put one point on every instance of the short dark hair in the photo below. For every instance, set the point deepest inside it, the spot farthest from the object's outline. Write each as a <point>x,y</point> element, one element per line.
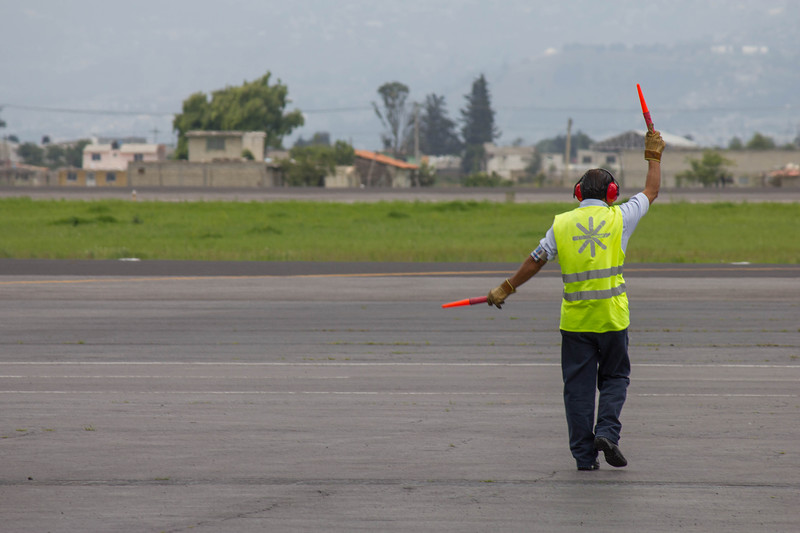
<point>595,182</point>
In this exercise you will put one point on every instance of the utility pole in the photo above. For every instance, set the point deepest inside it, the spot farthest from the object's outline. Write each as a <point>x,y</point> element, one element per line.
<point>416,133</point>
<point>567,152</point>
<point>416,141</point>
<point>155,134</point>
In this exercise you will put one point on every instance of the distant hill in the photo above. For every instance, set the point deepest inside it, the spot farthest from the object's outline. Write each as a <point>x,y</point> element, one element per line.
<point>711,92</point>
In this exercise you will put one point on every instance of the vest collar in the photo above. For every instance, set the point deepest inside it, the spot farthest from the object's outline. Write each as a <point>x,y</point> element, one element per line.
<point>593,202</point>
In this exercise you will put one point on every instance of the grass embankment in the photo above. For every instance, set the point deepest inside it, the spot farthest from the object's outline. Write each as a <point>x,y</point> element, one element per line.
<point>387,231</point>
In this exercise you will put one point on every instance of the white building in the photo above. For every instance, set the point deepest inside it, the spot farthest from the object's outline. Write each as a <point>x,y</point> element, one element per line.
<point>116,157</point>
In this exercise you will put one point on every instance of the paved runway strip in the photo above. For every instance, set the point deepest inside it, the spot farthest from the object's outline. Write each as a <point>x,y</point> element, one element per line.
<point>347,402</point>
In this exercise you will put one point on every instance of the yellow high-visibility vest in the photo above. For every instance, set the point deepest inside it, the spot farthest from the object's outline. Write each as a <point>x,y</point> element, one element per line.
<point>589,242</point>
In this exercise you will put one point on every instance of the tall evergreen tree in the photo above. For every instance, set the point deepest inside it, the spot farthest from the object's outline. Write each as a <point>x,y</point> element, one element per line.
<point>478,116</point>
<point>477,125</point>
<point>437,132</point>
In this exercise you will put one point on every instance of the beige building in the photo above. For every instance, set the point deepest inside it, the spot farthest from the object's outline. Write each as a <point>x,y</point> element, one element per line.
<point>208,146</point>
<point>508,162</point>
<point>750,168</point>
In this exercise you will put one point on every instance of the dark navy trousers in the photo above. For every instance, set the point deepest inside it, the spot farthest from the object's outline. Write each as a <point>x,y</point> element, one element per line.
<point>589,362</point>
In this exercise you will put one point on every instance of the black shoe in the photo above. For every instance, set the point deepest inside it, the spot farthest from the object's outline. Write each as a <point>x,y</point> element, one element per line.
<point>612,452</point>
<point>594,466</point>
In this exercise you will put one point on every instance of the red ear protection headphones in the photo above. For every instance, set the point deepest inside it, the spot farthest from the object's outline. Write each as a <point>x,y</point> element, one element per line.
<point>612,190</point>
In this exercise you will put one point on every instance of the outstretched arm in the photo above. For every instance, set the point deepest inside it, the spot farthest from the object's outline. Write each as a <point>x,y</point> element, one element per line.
<point>529,268</point>
<point>526,271</point>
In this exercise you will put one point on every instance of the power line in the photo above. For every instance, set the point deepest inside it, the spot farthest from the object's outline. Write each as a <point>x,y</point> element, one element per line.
<point>337,109</point>
<point>155,113</point>
<point>783,107</point>
<point>86,111</point>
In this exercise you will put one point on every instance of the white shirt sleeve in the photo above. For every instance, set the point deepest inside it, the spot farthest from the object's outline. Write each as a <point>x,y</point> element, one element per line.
<point>632,212</point>
<point>547,245</point>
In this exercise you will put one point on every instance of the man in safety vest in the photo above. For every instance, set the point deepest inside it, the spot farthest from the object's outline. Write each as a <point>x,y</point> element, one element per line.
<point>590,243</point>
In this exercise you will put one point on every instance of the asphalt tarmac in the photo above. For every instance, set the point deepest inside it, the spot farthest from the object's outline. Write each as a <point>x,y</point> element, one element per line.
<point>331,397</point>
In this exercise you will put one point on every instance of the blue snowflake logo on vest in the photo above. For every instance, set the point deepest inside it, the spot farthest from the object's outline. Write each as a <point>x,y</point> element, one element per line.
<point>591,236</point>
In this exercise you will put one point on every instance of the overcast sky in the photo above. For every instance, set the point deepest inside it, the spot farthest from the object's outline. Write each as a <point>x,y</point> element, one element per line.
<point>148,56</point>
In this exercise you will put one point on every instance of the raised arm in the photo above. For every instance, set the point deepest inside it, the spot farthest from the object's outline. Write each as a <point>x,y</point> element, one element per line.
<point>653,148</point>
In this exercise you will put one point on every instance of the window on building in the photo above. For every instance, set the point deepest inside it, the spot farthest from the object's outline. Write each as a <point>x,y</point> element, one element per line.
<point>586,160</point>
<point>111,177</point>
<point>215,143</point>
<point>138,157</point>
<point>611,159</point>
<point>72,176</point>
<point>95,157</point>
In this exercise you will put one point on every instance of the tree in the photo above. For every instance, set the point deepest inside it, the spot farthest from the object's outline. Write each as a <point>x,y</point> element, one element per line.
<point>478,116</point>
<point>394,114</point>
<point>534,172</point>
<point>437,132</point>
<point>253,106</point>
<point>54,155</point>
<point>709,170</point>
<point>482,179</point>
<point>558,144</point>
<point>308,165</point>
<point>320,138</point>
<point>31,154</point>
<point>760,142</point>
<point>735,144</point>
<point>73,155</point>
<point>426,175</point>
<point>473,159</point>
<point>477,125</point>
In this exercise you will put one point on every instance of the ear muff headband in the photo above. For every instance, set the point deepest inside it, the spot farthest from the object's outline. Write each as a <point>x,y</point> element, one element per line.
<point>612,190</point>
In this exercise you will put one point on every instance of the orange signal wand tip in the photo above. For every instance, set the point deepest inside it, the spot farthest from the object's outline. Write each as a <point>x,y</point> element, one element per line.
<point>466,301</point>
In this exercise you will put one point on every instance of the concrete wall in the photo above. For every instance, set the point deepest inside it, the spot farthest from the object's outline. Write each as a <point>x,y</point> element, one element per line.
<point>81,177</point>
<point>20,176</point>
<point>749,169</point>
<point>345,176</point>
<point>245,174</point>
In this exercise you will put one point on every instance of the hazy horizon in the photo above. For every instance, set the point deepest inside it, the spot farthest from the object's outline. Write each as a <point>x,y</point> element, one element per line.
<point>150,56</point>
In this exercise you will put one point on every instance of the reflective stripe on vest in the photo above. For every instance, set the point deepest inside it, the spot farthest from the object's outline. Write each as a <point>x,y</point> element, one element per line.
<point>589,243</point>
<point>594,295</point>
<point>591,274</point>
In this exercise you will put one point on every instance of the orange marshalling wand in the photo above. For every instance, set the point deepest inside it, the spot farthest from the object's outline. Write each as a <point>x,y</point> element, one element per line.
<point>466,301</point>
<point>645,111</point>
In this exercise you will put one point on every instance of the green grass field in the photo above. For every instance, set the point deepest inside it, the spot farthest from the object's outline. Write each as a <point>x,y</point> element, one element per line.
<point>385,231</point>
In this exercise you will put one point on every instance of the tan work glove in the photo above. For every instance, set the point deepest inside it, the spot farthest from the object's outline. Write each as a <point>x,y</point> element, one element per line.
<point>499,294</point>
<point>653,145</point>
